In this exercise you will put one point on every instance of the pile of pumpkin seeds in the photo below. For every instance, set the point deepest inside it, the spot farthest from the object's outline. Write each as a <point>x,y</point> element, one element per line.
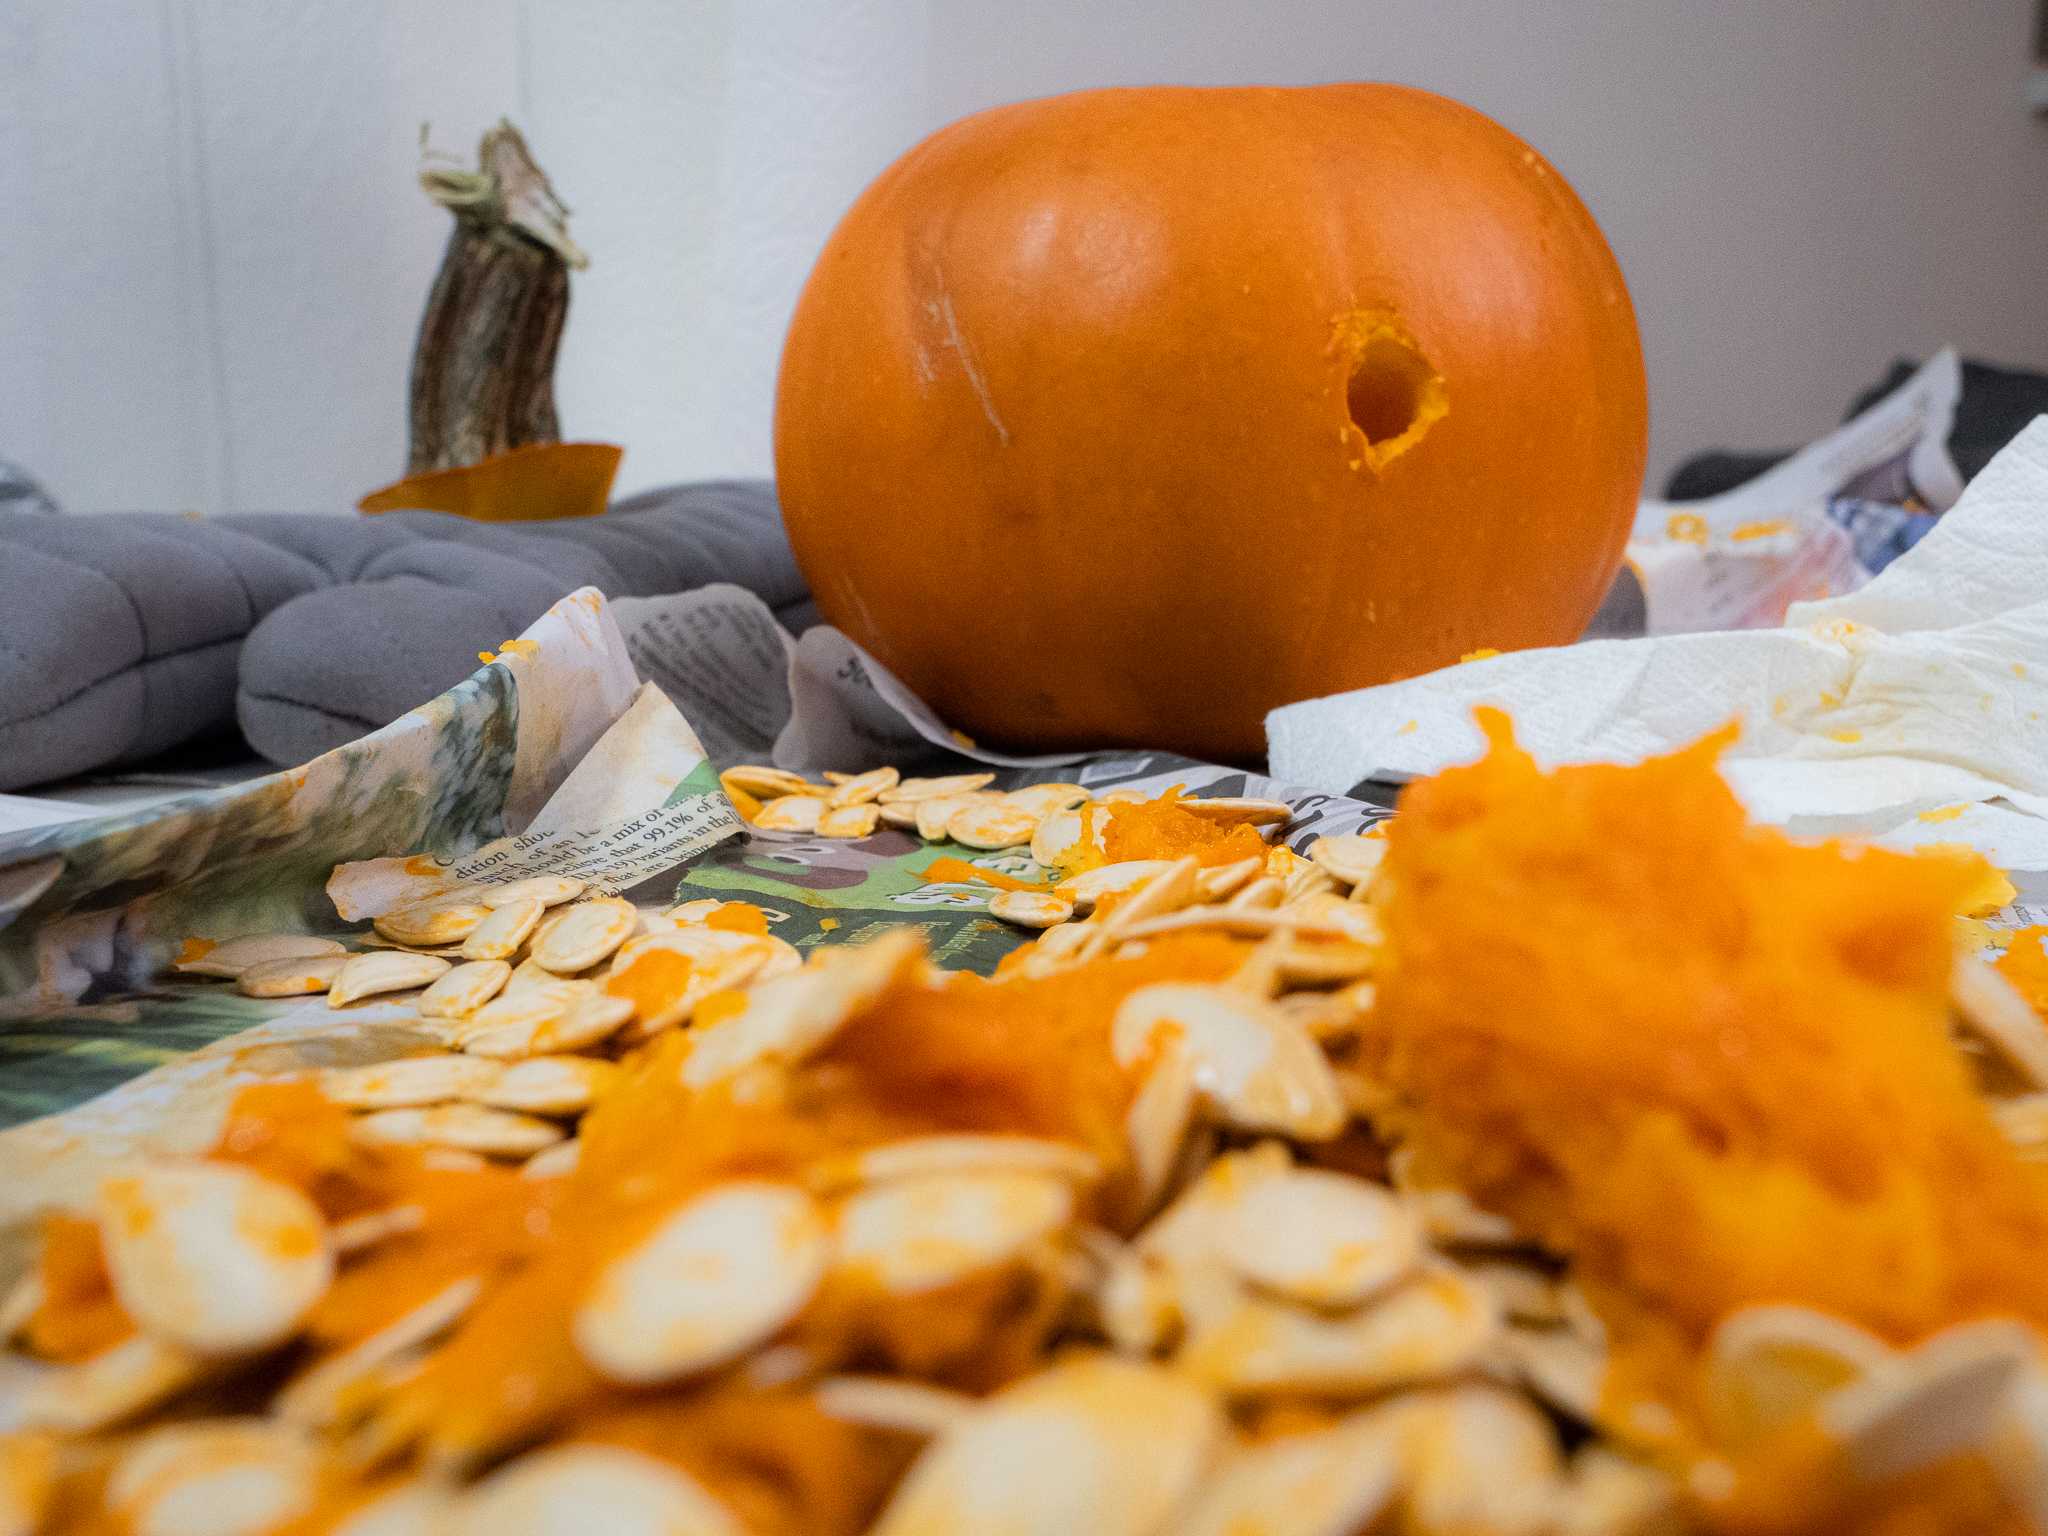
<point>1455,1369</point>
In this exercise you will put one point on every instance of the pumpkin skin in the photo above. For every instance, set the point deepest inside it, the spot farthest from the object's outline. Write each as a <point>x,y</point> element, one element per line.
<point>1068,427</point>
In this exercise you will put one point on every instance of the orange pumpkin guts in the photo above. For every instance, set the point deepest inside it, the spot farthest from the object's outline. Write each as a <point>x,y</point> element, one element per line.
<point>1126,416</point>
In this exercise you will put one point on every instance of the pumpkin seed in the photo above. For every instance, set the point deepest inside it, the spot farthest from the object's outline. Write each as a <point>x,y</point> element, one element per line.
<point>1326,963</point>
<point>213,1477</point>
<point>1257,1069</point>
<point>231,957</point>
<point>906,791</point>
<point>24,1299</point>
<point>701,946</point>
<point>1030,909</point>
<point>387,970</point>
<point>1192,1230</point>
<point>991,826</point>
<point>527,975</point>
<point>849,821</point>
<point>1450,1217</point>
<point>299,977</point>
<point>918,1156</point>
<point>587,933</point>
<point>556,1026</point>
<point>1109,1446</point>
<point>553,1162</point>
<point>1306,879</point>
<point>2024,1121</point>
<point>1260,895</point>
<point>410,1082</point>
<point>546,1085</point>
<point>1524,1293</point>
<point>1247,921</point>
<point>1479,1459</point>
<point>432,925</point>
<point>1060,831</point>
<point>315,1397</point>
<point>1330,914</point>
<point>721,1274</point>
<point>463,989</point>
<point>1769,1367</point>
<point>499,935</point>
<point>791,813</point>
<point>1332,1482</point>
<point>115,1384</point>
<point>790,1017</point>
<point>1608,1494</point>
<point>1172,888</point>
<point>418,1507</point>
<point>1351,856</point>
<point>901,814</point>
<point>1238,809</point>
<point>2018,1447</point>
<point>736,960</point>
<point>572,1490</point>
<point>1089,887</point>
<point>1560,1367</point>
<point>935,811</point>
<point>373,1227</point>
<point>462,1127</point>
<point>1322,1238</point>
<point>889,1402</point>
<point>1036,800</point>
<point>1431,1328</point>
<point>765,783</point>
<point>1942,1398</point>
<point>863,787</point>
<point>1996,1013</point>
<point>1135,1305</point>
<point>211,1256</point>
<point>1220,881</point>
<point>918,1234</point>
<point>548,890</point>
<point>1156,1126</point>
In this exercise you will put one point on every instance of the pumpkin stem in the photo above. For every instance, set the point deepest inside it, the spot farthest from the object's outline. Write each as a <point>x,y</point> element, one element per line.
<point>484,364</point>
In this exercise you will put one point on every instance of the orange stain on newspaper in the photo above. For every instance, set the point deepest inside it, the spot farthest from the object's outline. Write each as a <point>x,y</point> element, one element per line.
<point>950,871</point>
<point>1744,532</point>
<point>1686,528</point>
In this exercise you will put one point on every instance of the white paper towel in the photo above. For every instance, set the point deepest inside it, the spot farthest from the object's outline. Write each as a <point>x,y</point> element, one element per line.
<point>1925,691</point>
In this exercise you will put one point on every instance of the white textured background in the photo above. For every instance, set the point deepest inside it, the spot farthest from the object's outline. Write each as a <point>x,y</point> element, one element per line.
<point>212,254</point>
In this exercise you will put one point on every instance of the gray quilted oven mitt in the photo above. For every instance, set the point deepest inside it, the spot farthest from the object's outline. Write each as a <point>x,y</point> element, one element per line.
<point>122,635</point>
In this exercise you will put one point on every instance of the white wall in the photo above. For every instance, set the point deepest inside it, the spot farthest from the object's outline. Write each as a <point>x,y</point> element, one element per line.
<point>212,255</point>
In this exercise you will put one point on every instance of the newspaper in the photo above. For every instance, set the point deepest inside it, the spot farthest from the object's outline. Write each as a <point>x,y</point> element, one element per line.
<point>556,756</point>
<point>1821,524</point>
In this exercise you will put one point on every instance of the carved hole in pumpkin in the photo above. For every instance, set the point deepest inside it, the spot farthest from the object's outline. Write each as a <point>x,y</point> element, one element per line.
<point>1394,397</point>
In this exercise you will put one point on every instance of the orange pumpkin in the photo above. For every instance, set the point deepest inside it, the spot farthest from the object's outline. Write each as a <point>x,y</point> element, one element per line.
<point>1125,416</point>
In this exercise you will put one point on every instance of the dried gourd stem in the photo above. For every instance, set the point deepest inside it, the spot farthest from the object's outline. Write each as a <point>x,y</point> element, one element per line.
<point>483,365</point>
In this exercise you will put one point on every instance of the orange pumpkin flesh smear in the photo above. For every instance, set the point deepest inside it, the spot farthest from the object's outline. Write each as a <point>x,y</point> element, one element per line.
<point>951,870</point>
<point>1709,1063</point>
<point>1157,829</point>
<point>2025,965</point>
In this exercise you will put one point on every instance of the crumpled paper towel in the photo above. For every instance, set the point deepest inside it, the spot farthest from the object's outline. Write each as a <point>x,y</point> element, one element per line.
<point>1913,711</point>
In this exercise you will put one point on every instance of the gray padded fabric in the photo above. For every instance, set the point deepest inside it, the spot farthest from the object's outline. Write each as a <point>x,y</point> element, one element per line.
<point>123,635</point>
